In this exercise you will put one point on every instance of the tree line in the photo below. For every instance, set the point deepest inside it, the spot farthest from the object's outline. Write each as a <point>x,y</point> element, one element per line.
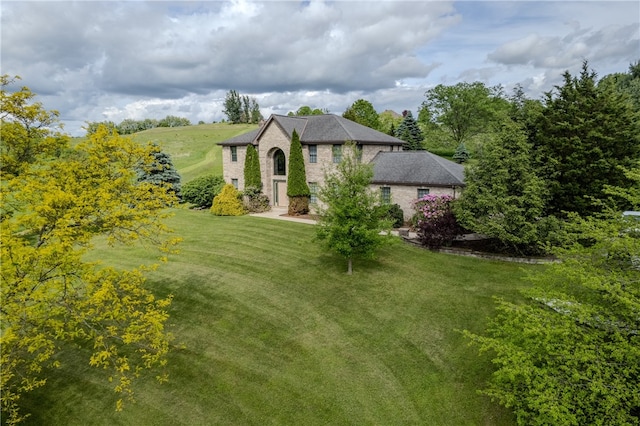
<point>129,126</point>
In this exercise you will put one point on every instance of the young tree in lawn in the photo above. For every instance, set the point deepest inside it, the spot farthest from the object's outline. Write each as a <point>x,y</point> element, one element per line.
<point>504,198</point>
<point>297,188</point>
<point>353,220</point>
<point>570,354</point>
<point>52,299</point>
<point>252,178</point>
<point>582,136</point>
<point>362,112</point>
<point>409,131</point>
<point>161,172</point>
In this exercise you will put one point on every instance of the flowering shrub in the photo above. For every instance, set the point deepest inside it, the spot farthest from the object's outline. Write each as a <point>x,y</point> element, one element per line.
<point>434,221</point>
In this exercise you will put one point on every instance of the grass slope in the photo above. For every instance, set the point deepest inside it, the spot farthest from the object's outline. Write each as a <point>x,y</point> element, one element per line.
<point>270,330</point>
<point>193,149</point>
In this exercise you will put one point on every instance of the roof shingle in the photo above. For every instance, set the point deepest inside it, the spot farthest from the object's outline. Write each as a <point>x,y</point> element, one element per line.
<point>416,168</point>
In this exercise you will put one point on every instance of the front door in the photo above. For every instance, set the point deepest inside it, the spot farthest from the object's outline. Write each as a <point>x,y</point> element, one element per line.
<point>280,193</point>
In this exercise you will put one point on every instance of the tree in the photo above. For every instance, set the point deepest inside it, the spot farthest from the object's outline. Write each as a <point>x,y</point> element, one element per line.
<point>362,112</point>
<point>504,198</point>
<point>297,188</point>
<point>228,202</point>
<point>306,110</point>
<point>161,172</point>
<point>241,109</point>
<point>201,191</point>
<point>410,132</point>
<point>173,121</point>
<point>233,107</point>
<point>462,154</point>
<point>434,220</point>
<point>464,110</point>
<point>25,134</point>
<point>389,120</point>
<point>570,354</point>
<point>53,300</point>
<point>354,222</point>
<point>583,135</point>
<point>252,177</point>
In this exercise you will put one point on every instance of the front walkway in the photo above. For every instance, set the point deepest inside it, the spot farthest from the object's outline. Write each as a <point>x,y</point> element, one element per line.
<point>281,213</point>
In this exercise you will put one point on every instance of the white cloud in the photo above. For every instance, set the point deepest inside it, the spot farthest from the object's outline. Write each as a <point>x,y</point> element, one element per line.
<point>115,60</point>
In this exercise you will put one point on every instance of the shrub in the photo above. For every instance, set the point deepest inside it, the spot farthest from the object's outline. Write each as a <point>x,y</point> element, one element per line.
<point>396,215</point>
<point>255,201</point>
<point>434,221</point>
<point>297,187</point>
<point>201,191</point>
<point>228,202</point>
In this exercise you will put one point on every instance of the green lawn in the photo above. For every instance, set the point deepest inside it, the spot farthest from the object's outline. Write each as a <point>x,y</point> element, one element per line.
<point>270,330</point>
<point>193,149</point>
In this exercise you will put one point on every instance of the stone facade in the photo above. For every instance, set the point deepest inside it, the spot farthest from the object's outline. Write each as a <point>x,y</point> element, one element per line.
<point>273,142</point>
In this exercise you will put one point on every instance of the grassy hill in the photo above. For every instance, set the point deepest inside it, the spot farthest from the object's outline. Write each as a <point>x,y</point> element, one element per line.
<point>193,149</point>
<point>270,330</point>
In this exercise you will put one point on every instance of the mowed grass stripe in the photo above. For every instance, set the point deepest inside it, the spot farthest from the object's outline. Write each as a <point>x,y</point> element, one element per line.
<point>270,330</point>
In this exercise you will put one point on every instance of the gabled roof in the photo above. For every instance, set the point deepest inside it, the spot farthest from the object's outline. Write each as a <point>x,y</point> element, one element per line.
<point>416,168</point>
<point>318,129</point>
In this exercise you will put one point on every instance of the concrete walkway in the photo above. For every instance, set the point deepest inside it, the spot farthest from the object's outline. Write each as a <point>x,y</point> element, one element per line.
<point>281,213</point>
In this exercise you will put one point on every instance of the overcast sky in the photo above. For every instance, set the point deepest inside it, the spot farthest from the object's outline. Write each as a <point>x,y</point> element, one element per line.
<point>96,61</point>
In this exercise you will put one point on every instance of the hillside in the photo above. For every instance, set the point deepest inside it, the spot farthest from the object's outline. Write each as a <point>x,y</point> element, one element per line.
<point>194,149</point>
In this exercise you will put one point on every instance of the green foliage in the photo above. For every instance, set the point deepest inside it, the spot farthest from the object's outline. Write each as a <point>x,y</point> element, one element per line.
<point>241,109</point>
<point>582,136</point>
<point>395,215</point>
<point>201,191</point>
<point>228,202</point>
<point>463,110</point>
<point>53,300</point>
<point>252,177</point>
<point>161,172</point>
<point>306,110</point>
<point>297,187</point>
<point>570,355</point>
<point>24,131</point>
<point>410,132</point>
<point>389,121</point>
<point>129,126</point>
<point>362,112</point>
<point>255,201</point>
<point>504,198</point>
<point>462,154</point>
<point>353,223</point>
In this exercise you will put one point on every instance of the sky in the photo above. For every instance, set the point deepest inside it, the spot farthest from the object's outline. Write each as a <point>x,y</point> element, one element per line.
<point>113,60</point>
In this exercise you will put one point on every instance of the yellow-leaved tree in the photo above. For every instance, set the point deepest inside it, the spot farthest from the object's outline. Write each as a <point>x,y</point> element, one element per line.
<point>55,198</point>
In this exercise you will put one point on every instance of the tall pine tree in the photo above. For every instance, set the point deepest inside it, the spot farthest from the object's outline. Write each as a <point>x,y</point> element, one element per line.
<point>297,187</point>
<point>252,177</point>
<point>584,135</point>
<point>410,132</point>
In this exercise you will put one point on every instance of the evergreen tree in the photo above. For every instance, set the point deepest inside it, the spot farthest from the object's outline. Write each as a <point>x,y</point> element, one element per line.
<point>354,221</point>
<point>161,172</point>
<point>462,154</point>
<point>504,198</point>
<point>569,354</point>
<point>252,178</point>
<point>584,134</point>
<point>228,202</point>
<point>297,187</point>
<point>410,132</point>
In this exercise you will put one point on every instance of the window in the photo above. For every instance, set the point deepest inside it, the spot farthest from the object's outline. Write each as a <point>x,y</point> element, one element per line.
<point>385,194</point>
<point>234,153</point>
<point>359,152</point>
<point>234,182</point>
<point>422,192</point>
<point>313,153</point>
<point>337,154</point>
<point>313,189</point>
<point>279,163</point>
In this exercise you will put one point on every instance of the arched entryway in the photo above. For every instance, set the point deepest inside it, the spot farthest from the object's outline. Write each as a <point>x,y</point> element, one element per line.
<point>279,173</point>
